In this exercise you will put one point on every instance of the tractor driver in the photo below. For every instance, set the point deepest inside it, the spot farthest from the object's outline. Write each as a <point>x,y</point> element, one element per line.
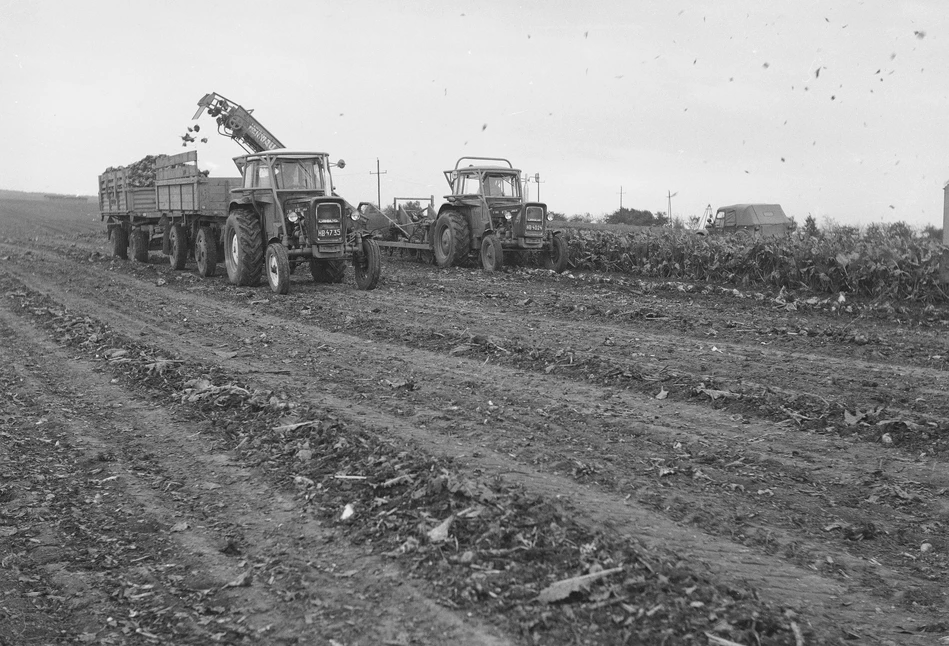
<point>493,186</point>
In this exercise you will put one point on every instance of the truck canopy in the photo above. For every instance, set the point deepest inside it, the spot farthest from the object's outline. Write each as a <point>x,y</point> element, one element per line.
<point>768,219</point>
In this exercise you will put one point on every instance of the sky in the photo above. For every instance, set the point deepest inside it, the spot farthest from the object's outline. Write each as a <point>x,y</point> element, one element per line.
<point>832,109</point>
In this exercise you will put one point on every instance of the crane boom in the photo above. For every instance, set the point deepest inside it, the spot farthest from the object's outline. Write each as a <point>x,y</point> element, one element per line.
<point>239,124</point>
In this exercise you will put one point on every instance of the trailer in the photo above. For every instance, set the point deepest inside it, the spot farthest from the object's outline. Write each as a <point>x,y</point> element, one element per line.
<point>179,210</point>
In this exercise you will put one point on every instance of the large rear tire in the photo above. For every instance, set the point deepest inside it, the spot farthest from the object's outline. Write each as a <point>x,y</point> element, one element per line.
<point>243,248</point>
<point>451,237</point>
<point>139,245</point>
<point>556,257</point>
<point>492,256</point>
<point>120,243</point>
<point>178,246</point>
<point>278,268</point>
<point>205,252</point>
<point>367,265</point>
<point>327,271</point>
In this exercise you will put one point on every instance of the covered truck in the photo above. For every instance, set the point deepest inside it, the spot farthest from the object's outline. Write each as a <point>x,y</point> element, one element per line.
<point>763,219</point>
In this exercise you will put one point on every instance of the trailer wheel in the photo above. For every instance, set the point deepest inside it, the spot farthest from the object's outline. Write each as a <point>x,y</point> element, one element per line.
<point>178,246</point>
<point>120,243</point>
<point>278,268</point>
<point>451,237</point>
<point>327,271</point>
<point>367,264</point>
<point>139,245</point>
<point>205,252</point>
<point>243,248</point>
<point>492,256</point>
<point>556,257</point>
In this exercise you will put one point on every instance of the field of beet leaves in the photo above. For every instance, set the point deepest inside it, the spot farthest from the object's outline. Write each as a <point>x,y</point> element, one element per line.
<point>879,261</point>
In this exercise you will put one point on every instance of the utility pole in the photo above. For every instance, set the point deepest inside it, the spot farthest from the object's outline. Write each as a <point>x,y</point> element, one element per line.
<point>378,183</point>
<point>620,198</point>
<point>670,195</point>
<point>525,188</point>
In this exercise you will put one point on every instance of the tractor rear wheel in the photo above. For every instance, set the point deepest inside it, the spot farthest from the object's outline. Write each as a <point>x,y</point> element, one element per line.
<point>278,268</point>
<point>556,257</point>
<point>367,265</point>
<point>139,245</point>
<point>120,243</point>
<point>492,256</point>
<point>327,271</point>
<point>178,243</point>
<point>205,252</point>
<point>243,248</point>
<point>451,237</point>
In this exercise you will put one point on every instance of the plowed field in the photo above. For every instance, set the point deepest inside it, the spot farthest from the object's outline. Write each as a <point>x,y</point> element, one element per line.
<point>440,460</point>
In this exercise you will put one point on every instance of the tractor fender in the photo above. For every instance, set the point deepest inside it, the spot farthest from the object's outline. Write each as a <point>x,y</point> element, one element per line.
<point>360,234</point>
<point>459,208</point>
<point>243,201</point>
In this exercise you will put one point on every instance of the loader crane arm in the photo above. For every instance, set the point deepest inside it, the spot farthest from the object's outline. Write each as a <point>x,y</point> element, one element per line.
<point>238,123</point>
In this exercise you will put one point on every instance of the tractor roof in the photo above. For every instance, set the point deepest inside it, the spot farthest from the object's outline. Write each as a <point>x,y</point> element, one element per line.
<point>481,169</point>
<point>473,168</point>
<point>283,152</point>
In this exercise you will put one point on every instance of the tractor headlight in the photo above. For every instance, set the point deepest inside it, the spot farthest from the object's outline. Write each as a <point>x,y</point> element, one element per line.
<point>550,217</point>
<point>508,215</point>
<point>294,216</point>
<point>354,215</point>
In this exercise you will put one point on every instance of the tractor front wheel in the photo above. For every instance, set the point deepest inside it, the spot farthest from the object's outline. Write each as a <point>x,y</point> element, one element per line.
<point>492,255</point>
<point>178,243</point>
<point>555,258</point>
<point>278,268</point>
<point>451,237</point>
<point>243,248</point>
<point>367,264</point>
<point>205,252</point>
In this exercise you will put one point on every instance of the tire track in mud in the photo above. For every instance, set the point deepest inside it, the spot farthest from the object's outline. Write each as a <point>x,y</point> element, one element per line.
<point>353,359</point>
<point>224,522</point>
<point>624,344</point>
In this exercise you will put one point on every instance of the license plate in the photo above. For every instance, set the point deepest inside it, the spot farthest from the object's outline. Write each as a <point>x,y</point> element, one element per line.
<point>535,227</point>
<point>329,233</point>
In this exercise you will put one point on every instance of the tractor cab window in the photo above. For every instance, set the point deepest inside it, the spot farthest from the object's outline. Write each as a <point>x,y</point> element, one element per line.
<point>250,173</point>
<point>500,186</point>
<point>304,174</point>
<point>262,177</point>
<point>719,221</point>
<point>469,185</point>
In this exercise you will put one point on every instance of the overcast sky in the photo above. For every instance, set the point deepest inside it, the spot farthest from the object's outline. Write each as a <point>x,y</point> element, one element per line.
<point>836,109</point>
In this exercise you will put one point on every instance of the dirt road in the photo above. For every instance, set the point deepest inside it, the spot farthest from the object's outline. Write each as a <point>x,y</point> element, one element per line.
<point>184,461</point>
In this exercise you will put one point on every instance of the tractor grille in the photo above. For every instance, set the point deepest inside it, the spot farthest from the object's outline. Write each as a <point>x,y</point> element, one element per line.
<point>534,222</point>
<point>325,225</point>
